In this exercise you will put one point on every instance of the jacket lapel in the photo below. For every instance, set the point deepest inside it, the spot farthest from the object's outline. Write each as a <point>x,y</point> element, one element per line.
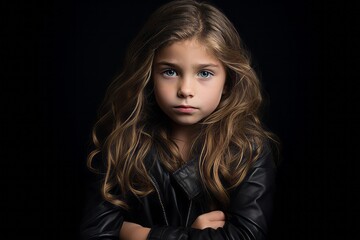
<point>188,178</point>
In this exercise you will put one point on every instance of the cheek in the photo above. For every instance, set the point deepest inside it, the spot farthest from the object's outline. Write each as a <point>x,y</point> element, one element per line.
<point>213,96</point>
<point>211,99</point>
<point>161,94</point>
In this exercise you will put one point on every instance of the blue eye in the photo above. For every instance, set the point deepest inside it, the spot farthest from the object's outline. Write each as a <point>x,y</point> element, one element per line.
<point>205,74</point>
<point>170,73</point>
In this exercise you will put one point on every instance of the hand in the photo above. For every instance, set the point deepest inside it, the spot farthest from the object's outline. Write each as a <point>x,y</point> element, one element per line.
<point>214,220</point>
<point>133,231</point>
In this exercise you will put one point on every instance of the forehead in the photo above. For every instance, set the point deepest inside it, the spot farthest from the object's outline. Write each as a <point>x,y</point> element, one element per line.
<point>187,50</point>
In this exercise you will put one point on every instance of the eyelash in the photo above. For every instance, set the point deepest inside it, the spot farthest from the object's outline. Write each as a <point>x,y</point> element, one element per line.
<point>166,73</point>
<point>210,74</point>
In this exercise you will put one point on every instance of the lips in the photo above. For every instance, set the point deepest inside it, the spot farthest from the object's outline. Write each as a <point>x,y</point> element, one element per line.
<point>185,109</point>
<point>185,106</point>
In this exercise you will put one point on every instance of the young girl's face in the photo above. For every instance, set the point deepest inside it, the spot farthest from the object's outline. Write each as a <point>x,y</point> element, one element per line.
<point>188,81</point>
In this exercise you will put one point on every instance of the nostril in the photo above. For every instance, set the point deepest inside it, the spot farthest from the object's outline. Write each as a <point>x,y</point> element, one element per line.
<point>185,89</point>
<point>184,93</point>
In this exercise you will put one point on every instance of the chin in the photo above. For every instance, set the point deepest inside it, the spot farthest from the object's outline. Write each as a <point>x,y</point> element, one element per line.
<point>186,123</point>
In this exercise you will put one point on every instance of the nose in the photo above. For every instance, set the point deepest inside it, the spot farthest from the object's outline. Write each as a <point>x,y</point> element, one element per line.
<point>186,88</point>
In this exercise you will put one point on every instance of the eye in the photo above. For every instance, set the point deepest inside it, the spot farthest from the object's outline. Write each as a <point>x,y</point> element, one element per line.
<point>205,74</point>
<point>169,73</point>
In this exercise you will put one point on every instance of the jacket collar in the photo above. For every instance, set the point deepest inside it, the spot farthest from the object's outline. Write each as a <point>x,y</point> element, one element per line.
<point>188,178</point>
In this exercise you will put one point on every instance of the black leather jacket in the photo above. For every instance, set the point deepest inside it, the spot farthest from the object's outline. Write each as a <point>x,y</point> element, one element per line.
<point>179,199</point>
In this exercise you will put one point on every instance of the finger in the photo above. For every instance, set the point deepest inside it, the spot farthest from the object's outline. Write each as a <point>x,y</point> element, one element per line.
<point>216,224</point>
<point>130,224</point>
<point>215,216</point>
<point>220,223</point>
<point>127,228</point>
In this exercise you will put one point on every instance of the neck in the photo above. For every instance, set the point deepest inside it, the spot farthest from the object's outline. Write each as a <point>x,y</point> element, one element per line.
<point>183,137</point>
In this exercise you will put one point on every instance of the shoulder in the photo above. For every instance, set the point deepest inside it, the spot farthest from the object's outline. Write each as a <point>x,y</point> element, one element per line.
<point>100,219</point>
<point>251,202</point>
<point>266,155</point>
<point>262,171</point>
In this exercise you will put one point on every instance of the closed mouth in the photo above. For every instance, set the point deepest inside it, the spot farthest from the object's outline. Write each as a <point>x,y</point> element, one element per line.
<point>186,107</point>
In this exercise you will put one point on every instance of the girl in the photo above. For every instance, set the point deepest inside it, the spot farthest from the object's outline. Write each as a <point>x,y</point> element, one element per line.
<point>186,156</point>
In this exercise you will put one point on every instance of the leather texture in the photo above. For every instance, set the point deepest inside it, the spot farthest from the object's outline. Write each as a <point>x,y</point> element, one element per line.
<point>178,200</point>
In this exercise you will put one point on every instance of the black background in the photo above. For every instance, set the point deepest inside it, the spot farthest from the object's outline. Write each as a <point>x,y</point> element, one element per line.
<point>59,56</point>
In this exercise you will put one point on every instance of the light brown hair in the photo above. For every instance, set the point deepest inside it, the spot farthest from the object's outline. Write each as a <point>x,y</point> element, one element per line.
<point>130,123</point>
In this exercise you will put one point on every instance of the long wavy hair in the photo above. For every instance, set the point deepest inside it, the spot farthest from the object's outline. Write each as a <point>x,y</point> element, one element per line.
<point>130,123</point>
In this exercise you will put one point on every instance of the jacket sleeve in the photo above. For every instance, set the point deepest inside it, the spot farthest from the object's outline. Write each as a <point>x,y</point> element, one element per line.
<point>249,212</point>
<point>101,219</point>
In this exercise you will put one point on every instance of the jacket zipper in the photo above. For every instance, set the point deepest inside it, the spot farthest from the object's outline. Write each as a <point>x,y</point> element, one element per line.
<point>161,203</point>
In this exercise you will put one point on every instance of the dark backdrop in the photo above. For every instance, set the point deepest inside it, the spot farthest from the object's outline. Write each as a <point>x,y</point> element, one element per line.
<point>59,56</point>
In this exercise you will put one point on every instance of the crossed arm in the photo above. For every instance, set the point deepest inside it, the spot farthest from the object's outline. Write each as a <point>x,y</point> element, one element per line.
<point>249,215</point>
<point>133,231</point>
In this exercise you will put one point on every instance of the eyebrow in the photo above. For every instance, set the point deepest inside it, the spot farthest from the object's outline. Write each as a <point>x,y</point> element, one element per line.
<point>199,66</point>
